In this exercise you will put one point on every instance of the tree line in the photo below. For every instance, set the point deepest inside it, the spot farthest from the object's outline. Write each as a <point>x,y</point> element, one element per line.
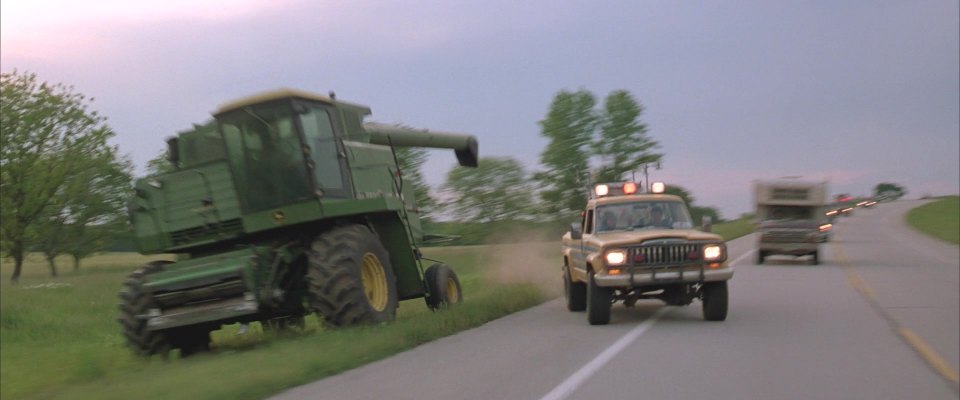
<point>63,187</point>
<point>587,144</point>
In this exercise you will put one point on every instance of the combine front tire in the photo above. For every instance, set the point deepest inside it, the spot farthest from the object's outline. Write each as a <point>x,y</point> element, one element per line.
<point>444,286</point>
<point>350,277</point>
<point>135,302</point>
<point>598,303</point>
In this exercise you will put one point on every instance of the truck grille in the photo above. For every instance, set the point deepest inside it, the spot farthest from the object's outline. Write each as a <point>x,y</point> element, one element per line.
<point>209,231</point>
<point>665,254</point>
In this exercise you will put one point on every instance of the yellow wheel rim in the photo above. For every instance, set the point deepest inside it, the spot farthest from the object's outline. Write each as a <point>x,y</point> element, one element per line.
<point>452,292</point>
<point>374,282</point>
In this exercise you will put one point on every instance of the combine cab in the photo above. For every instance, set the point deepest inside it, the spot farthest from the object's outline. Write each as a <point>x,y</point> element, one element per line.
<point>285,204</point>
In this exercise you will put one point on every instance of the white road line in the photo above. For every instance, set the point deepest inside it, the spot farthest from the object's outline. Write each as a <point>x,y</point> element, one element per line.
<point>745,255</point>
<point>573,382</point>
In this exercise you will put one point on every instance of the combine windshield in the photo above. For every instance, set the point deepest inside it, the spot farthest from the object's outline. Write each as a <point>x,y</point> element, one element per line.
<point>643,215</point>
<point>266,156</point>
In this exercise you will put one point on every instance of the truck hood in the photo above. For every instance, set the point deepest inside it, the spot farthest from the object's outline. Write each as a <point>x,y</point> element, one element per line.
<point>636,237</point>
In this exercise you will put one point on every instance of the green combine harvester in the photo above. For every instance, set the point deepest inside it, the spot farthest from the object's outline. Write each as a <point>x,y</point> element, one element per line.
<point>285,204</point>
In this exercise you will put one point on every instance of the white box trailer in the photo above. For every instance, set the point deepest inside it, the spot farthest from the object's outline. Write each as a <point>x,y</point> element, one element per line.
<point>786,193</point>
<point>791,220</point>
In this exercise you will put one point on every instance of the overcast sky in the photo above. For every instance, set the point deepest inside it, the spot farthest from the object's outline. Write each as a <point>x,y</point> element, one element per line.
<point>854,92</point>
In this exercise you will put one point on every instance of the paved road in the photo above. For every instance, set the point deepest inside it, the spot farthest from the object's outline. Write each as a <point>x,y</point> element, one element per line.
<point>879,319</point>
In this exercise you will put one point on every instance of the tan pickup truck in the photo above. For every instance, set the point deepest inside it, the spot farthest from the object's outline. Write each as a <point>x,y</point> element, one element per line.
<point>631,246</point>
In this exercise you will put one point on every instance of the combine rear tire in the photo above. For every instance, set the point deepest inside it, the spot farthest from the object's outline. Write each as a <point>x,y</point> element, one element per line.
<point>575,292</point>
<point>816,257</point>
<point>760,256</point>
<point>350,277</point>
<point>135,301</point>
<point>444,286</point>
<point>598,303</point>
<point>715,299</point>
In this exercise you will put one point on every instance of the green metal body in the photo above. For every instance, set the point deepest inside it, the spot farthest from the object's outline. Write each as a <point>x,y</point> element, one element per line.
<point>255,185</point>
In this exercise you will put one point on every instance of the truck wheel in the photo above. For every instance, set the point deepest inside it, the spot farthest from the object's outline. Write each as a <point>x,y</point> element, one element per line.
<point>816,257</point>
<point>444,286</point>
<point>598,303</point>
<point>715,301</point>
<point>575,292</point>
<point>760,256</point>
<point>350,277</point>
<point>135,301</point>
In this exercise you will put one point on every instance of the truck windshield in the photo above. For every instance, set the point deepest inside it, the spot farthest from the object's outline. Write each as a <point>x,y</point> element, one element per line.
<point>790,213</point>
<point>643,215</point>
<point>266,156</point>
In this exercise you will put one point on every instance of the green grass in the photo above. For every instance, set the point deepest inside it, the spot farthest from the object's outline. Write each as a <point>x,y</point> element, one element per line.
<point>733,229</point>
<point>59,337</point>
<point>940,219</point>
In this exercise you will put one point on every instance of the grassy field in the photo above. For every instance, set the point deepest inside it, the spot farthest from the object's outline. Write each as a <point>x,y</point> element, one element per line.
<point>733,229</point>
<point>59,338</point>
<point>940,219</point>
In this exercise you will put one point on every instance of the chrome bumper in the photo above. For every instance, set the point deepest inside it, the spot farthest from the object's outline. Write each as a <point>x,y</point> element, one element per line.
<point>645,278</point>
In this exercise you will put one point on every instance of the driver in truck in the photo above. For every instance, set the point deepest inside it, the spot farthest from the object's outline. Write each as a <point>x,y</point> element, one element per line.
<point>608,222</point>
<point>656,217</point>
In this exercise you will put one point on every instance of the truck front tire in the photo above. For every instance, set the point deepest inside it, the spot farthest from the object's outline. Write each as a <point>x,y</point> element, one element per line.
<point>574,292</point>
<point>715,299</point>
<point>598,303</point>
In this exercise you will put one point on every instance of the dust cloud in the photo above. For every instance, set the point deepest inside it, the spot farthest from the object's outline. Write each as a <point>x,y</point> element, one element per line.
<point>525,256</point>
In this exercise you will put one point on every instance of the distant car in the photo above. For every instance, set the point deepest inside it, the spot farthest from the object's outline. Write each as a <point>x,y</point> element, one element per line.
<point>825,231</point>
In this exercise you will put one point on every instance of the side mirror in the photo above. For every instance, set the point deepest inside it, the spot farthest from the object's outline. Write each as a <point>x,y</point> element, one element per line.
<point>173,151</point>
<point>576,232</point>
<point>706,223</point>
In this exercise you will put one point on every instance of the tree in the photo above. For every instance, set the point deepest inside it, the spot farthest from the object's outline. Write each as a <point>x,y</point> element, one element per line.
<point>623,145</point>
<point>46,132</point>
<point>96,206</point>
<point>697,214</point>
<point>569,125</point>
<point>893,190</point>
<point>411,159</point>
<point>496,191</point>
<point>679,192</point>
<point>49,233</point>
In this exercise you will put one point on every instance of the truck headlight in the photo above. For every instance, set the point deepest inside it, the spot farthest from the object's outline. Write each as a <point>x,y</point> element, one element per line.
<point>616,257</point>
<point>712,252</point>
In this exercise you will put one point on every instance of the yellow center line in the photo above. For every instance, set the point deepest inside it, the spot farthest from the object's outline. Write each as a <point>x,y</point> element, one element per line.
<point>929,355</point>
